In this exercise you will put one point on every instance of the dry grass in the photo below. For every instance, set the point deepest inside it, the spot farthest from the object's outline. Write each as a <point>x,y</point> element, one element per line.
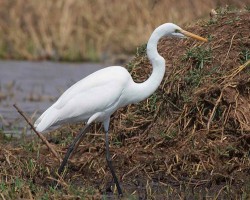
<point>190,140</point>
<point>92,30</point>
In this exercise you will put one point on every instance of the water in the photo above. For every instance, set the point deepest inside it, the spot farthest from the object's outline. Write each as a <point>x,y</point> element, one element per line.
<point>34,86</point>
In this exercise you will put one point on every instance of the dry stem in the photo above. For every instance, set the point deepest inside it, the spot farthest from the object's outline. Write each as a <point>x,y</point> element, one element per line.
<point>38,134</point>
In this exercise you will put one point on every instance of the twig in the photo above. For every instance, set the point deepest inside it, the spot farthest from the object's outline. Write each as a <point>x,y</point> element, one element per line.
<point>223,188</point>
<point>38,134</point>
<point>228,49</point>
<point>2,196</point>
<point>234,72</point>
<point>132,170</point>
<point>213,111</point>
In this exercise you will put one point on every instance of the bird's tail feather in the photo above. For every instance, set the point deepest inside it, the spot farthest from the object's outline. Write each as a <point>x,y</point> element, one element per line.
<point>46,120</point>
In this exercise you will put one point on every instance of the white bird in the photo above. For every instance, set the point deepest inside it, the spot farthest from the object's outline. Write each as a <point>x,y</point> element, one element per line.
<point>96,97</point>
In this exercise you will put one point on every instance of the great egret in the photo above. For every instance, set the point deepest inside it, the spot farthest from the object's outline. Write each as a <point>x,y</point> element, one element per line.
<point>99,95</point>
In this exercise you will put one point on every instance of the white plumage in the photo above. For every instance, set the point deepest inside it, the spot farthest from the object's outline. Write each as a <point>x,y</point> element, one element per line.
<point>100,93</point>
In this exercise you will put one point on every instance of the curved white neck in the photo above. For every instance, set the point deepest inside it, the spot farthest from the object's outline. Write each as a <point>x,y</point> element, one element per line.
<point>145,89</point>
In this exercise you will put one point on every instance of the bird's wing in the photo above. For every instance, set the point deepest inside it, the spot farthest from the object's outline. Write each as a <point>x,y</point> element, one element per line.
<point>96,99</point>
<point>111,75</point>
<point>97,92</point>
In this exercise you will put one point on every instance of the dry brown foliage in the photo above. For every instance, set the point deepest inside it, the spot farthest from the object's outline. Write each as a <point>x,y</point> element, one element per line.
<point>79,30</point>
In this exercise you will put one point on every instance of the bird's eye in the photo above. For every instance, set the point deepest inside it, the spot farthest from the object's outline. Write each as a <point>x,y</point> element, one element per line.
<point>177,31</point>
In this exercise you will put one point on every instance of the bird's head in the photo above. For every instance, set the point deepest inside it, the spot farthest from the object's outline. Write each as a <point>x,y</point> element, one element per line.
<point>173,30</point>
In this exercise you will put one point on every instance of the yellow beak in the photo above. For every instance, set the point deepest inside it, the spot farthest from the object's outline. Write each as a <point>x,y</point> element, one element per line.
<point>188,34</point>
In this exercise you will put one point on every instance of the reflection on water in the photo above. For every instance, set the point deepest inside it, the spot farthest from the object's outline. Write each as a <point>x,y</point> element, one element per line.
<point>34,86</point>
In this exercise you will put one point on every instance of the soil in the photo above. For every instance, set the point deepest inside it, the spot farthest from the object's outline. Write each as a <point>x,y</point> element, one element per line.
<point>189,140</point>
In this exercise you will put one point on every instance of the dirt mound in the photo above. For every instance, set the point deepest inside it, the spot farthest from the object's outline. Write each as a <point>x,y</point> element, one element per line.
<point>189,140</point>
<point>197,125</point>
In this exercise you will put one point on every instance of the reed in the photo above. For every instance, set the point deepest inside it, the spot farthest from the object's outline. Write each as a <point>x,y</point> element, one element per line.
<point>88,30</point>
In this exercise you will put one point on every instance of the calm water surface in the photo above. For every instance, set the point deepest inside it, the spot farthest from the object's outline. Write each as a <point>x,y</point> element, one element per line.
<point>34,86</point>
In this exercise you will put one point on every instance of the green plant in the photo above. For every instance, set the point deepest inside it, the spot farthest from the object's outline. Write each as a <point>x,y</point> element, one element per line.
<point>193,77</point>
<point>3,186</point>
<point>18,184</point>
<point>199,56</point>
<point>116,142</point>
<point>152,101</point>
<point>30,146</point>
<point>45,196</point>
<point>244,55</point>
<point>141,50</point>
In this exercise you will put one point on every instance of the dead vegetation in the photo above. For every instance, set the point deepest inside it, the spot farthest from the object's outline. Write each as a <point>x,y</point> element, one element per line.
<point>76,30</point>
<point>190,140</point>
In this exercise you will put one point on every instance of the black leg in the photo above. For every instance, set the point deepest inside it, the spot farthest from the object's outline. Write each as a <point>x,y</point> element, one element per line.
<point>72,147</point>
<point>108,158</point>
